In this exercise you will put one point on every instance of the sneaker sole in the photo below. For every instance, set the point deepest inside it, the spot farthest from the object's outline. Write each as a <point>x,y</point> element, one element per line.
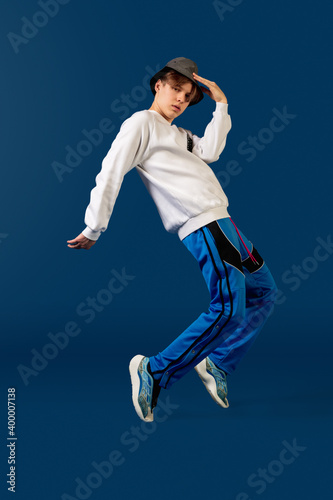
<point>135,380</point>
<point>209,383</point>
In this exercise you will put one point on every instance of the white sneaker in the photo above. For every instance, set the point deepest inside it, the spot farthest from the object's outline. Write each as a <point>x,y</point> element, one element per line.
<point>215,381</point>
<point>144,390</point>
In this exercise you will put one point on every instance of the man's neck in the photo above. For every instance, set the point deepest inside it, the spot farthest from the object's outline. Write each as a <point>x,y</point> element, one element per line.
<point>155,107</point>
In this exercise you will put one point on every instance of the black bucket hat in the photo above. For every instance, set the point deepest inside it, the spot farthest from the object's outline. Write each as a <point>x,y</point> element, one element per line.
<point>185,67</point>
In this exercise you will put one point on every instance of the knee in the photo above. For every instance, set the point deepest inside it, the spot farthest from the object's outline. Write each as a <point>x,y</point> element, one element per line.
<point>267,302</point>
<point>271,293</point>
<point>232,312</point>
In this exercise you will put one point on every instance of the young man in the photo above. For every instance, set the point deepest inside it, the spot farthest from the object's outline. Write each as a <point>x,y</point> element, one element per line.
<point>173,164</point>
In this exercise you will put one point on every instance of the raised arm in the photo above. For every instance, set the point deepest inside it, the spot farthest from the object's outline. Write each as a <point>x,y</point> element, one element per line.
<point>210,146</point>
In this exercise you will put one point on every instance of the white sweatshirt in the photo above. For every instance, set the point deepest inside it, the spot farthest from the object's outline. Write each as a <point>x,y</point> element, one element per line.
<point>184,188</point>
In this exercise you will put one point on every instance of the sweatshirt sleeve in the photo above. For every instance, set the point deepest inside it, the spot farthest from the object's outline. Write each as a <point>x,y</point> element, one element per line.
<point>210,146</point>
<point>128,150</point>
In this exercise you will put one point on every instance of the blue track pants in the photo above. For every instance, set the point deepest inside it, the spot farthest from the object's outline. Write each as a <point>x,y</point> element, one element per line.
<point>242,292</point>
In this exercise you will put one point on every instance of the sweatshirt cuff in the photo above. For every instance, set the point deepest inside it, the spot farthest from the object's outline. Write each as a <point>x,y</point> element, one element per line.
<point>222,107</point>
<point>90,234</point>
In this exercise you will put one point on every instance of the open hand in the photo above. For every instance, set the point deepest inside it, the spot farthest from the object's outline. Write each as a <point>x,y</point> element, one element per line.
<point>213,90</point>
<point>81,242</point>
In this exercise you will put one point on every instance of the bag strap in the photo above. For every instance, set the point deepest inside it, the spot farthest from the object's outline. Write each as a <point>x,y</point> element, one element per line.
<point>189,143</point>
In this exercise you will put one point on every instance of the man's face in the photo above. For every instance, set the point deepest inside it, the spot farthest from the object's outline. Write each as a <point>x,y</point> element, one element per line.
<point>172,99</point>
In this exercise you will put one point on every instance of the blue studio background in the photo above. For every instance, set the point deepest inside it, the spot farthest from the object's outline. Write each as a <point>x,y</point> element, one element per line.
<point>72,71</point>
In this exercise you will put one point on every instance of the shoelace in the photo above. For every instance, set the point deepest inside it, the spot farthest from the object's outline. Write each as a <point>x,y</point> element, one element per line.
<point>248,251</point>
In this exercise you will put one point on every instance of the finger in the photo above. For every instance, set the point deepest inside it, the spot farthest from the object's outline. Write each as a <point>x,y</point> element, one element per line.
<point>76,245</point>
<point>203,80</point>
<point>200,78</point>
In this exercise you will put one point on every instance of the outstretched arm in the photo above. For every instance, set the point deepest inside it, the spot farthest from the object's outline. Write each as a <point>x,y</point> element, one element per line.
<point>127,150</point>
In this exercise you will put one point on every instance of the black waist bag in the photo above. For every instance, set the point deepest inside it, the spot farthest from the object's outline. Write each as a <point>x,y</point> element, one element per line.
<point>189,143</point>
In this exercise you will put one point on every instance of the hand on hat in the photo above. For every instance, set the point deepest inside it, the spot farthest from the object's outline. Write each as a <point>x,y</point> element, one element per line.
<point>213,90</point>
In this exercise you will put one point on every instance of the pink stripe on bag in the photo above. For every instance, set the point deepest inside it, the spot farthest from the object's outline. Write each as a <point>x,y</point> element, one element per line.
<point>248,251</point>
